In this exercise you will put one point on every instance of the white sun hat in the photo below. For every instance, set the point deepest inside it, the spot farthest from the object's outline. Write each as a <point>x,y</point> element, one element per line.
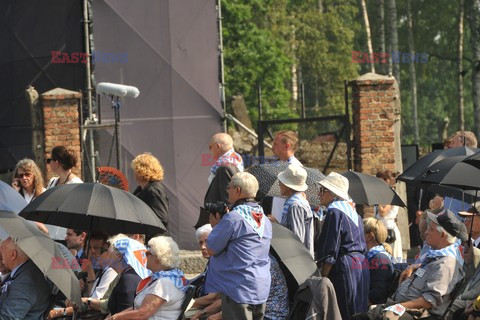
<point>294,177</point>
<point>337,184</point>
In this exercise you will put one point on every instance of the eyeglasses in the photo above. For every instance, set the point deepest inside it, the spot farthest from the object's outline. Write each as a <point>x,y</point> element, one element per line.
<point>322,190</point>
<point>148,253</point>
<point>26,175</point>
<point>50,160</point>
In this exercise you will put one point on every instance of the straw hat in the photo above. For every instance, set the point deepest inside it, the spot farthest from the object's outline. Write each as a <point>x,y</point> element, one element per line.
<point>473,210</point>
<point>337,184</point>
<point>294,177</point>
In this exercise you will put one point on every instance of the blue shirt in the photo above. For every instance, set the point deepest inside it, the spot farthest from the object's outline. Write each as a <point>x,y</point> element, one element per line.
<point>240,267</point>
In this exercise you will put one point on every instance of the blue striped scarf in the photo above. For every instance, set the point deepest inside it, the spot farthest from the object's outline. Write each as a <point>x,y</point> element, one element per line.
<point>175,275</point>
<point>134,255</point>
<point>296,197</point>
<point>228,158</point>
<point>254,216</point>
<point>376,250</point>
<point>347,208</point>
<point>452,250</point>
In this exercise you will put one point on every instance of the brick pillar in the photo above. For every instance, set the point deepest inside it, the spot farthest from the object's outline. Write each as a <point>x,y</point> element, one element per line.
<point>376,128</point>
<point>61,123</point>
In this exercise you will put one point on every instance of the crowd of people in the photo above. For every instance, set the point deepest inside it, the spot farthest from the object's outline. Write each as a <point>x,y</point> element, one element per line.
<point>123,277</point>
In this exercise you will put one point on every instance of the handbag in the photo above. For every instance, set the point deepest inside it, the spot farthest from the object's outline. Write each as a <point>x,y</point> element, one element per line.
<point>391,236</point>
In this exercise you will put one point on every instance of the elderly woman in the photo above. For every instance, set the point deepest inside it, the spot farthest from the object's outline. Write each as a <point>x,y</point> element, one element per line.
<point>124,254</point>
<point>379,260</point>
<point>159,296</point>
<point>149,175</point>
<point>201,234</point>
<point>27,179</point>
<point>61,163</point>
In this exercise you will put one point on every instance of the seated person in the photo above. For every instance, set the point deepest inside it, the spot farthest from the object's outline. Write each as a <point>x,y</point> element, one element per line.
<point>379,260</point>
<point>159,296</point>
<point>123,255</point>
<point>428,289</point>
<point>201,234</point>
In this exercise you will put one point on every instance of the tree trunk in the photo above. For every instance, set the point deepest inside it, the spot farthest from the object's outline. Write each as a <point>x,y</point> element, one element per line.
<point>394,68</point>
<point>369,37</point>
<point>475,35</point>
<point>461,118</point>
<point>381,35</point>
<point>413,75</point>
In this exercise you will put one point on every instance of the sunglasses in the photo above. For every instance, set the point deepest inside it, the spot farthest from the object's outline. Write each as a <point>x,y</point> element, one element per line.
<point>26,175</point>
<point>50,160</point>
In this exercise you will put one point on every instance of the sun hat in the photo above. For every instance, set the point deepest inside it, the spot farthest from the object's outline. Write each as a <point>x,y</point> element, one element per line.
<point>473,210</point>
<point>337,184</point>
<point>294,177</point>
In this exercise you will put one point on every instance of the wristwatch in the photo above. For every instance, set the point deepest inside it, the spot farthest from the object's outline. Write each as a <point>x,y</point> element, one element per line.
<point>89,301</point>
<point>64,312</point>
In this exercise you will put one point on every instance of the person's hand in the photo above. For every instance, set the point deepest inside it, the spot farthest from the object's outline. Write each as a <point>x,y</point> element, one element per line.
<point>407,273</point>
<point>82,284</point>
<point>418,214</point>
<point>86,265</point>
<point>216,316</point>
<point>16,184</point>
<point>272,218</point>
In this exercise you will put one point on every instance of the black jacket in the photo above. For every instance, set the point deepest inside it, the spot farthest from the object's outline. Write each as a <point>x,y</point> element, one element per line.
<point>155,196</point>
<point>217,190</point>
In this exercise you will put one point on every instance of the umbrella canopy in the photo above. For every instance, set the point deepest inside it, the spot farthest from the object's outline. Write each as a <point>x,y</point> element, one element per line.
<point>473,160</point>
<point>44,252</point>
<point>10,199</point>
<point>294,258</point>
<point>370,190</point>
<point>462,175</point>
<point>266,175</point>
<point>89,206</point>
<point>414,173</point>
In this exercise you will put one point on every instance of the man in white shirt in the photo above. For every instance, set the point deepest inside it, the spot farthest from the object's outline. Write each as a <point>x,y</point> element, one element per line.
<point>284,146</point>
<point>473,227</point>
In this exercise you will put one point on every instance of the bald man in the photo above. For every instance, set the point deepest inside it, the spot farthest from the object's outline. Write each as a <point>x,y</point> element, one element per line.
<point>227,163</point>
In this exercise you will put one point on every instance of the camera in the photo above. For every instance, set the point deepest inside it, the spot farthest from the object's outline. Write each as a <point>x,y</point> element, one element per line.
<point>219,206</point>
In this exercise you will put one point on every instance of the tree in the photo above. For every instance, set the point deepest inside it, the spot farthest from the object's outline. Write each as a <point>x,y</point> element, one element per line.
<point>474,17</point>
<point>413,77</point>
<point>461,119</point>
<point>392,38</point>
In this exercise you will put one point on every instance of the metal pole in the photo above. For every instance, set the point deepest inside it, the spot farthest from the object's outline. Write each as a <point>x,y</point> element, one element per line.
<point>261,146</point>
<point>222,70</point>
<point>91,147</point>
<point>347,123</point>
<point>302,88</point>
<point>116,108</point>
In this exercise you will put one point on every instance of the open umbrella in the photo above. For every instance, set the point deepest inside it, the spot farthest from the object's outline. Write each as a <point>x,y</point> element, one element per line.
<point>473,160</point>
<point>462,175</point>
<point>414,173</point>
<point>266,175</point>
<point>370,190</point>
<point>44,252</point>
<point>295,260</point>
<point>90,206</point>
<point>10,199</point>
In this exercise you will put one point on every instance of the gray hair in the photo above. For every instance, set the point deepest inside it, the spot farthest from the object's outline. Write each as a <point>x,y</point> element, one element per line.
<point>246,182</point>
<point>114,239</point>
<point>166,251</point>
<point>205,229</point>
<point>450,238</point>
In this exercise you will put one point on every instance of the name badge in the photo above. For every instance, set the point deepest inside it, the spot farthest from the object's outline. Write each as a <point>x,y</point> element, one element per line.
<point>420,272</point>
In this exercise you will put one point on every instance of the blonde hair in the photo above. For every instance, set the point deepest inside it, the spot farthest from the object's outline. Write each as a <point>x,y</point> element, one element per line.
<point>288,136</point>
<point>148,167</point>
<point>28,165</point>
<point>166,251</point>
<point>379,232</point>
<point>470,139</point>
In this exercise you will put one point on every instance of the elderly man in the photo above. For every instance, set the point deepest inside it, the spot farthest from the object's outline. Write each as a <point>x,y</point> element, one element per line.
<point>297,215</point>
<point>462,139</point>
<point>428,289</point>
<point>238,247</point>
<point>27,294</point>
<point>285,145</point>
<point>227,163</point>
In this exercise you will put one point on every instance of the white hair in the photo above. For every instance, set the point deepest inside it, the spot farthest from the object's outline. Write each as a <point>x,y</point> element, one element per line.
<point>166,251</point>
<point>246,182</point>
<point>205,229</point>
<point>450,238</point>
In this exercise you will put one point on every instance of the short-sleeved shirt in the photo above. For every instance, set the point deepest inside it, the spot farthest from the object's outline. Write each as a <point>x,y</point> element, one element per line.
<point>434,282</point>
<point>165,289</point>
<point>240,267</point>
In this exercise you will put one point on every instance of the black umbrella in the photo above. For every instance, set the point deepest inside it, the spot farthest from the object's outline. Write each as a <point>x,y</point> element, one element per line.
<point>90,206</point>
<point>415,172</point>
<point>463,176</point>
<point>370,190</point>
<point>44,252</point>
<point>294,258</point>
<point>266,175</point>
<point>473,160</point>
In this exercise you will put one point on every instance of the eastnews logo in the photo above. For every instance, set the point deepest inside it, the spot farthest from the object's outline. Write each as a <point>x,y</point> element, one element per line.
<point>81,57</point>
<point>383,57</point>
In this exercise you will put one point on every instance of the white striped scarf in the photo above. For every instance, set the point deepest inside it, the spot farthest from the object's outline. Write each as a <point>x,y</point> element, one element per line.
<point>229,157</point>
<point>347,208</point>
<point>376,250</point>
<point>175,275</point>
<point>248,213</point>
<point>296,197</point>
<point>452,250</point>
<point>134,254</point>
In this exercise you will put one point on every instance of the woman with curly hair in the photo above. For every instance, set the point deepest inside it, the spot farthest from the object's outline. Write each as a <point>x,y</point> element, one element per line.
<point>149,176</point>
<point>27,179</point>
